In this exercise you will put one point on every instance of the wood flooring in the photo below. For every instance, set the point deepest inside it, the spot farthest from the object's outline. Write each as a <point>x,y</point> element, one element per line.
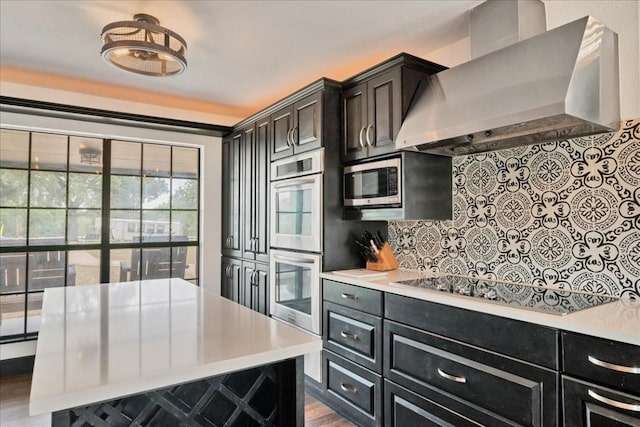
<point>14,407</point>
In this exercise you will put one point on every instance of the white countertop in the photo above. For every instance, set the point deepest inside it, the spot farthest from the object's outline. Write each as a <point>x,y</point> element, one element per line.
<point>100,342</point>
<point>618,321</point>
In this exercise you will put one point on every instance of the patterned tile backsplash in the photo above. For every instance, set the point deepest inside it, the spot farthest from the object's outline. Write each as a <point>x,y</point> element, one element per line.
<point>564,214</point>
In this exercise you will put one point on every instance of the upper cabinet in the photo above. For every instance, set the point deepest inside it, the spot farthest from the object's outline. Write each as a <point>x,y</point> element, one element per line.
<point>375,103</point>
<point>231,181</point>
<point>297,127</point>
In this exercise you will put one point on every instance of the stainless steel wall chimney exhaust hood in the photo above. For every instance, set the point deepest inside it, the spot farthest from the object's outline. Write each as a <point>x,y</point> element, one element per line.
<point>559,84</point>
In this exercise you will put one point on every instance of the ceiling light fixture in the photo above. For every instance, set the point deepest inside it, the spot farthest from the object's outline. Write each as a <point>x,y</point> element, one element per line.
<point>89,155</point>
<point>142,46</point>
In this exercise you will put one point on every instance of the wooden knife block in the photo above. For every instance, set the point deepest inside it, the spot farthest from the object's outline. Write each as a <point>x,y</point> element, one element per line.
<point>386,260</point>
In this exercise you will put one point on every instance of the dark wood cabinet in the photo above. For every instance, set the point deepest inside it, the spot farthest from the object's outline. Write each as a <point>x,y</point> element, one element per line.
<point>600,382</point>
<point>375,103</point>
<point>231,279</point>
<point>588,405</point>
<point>255,190</point>
<point>297,128</point>
<point>231,183</point>
<point>255,286</point>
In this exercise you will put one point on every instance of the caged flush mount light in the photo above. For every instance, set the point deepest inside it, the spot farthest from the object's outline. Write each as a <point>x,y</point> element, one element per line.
<point>142,46</point>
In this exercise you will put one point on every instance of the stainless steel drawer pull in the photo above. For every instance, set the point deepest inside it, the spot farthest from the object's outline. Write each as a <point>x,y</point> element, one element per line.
<point>614,403</point>
<point>614,367</point>
<point>443,374</point>
<point>348,335</point>
<point>348,388</point>
<point>349,296</point>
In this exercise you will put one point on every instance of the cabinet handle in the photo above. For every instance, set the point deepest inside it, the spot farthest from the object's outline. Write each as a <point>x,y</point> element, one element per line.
<point>360,141</point>
<point>348,388</point>
<point>614,403</point>
<point>614,367</point>
<point>257,244</point>
<point>226,270</point>
<point>253,278</point>
<point>443,374</point>
<point>367,135</point>
<point>293,135</point>
<point>349,336</point>
<point>289,143</point>
<point>349,296</point>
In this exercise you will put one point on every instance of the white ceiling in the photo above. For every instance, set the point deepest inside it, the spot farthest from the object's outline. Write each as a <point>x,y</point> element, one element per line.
<point>243,54</point>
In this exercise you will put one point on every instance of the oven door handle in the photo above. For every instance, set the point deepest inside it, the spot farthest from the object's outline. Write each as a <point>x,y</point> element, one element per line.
<point>293,259</point>
<point>291,183</point>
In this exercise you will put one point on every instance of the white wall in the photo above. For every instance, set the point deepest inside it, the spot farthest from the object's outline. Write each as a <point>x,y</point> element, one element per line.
<point>622,16</point>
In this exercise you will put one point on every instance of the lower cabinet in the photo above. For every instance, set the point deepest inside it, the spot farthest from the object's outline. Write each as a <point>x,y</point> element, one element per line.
<point>586,404</point>
<point>405,408</point>
<point>352,390</point>
<point>246,283</point>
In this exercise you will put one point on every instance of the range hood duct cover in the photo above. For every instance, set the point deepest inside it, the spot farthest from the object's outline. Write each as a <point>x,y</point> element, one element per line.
<point>559,84</point>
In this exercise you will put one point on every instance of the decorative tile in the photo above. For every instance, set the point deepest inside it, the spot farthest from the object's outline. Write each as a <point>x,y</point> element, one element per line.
<point>563,214</point>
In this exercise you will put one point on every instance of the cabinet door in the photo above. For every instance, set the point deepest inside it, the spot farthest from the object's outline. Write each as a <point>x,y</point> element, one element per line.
<point>403,408</point>
<point>384,112</point>
<point>307,125</point>
<point>281,128</point>
<point>255,279</point>
<point>230,283</point>
<point>261,190</point>
<point>231,195</point>
<point>586,404</point>
<point>247,190</point>
<point>354,110</point>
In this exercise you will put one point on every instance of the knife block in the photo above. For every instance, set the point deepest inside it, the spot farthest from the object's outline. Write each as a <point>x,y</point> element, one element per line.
<point>386,260</point>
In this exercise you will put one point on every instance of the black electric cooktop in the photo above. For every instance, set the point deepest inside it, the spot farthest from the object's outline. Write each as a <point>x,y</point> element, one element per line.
<point>537,298</point>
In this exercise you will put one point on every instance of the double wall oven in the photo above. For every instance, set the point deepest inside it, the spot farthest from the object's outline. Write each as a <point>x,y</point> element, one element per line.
<point>296,240</point>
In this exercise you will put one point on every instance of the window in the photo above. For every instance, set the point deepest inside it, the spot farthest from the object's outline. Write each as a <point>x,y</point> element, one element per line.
<point>57,192</point>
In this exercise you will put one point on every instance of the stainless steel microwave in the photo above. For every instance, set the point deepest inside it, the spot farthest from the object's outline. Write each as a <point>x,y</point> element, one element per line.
<point>374,183</point>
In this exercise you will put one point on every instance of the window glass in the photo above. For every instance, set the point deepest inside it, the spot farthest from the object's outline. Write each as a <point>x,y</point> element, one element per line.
<point>34,308</point>
<point>125,265</point>
<point>155,192</point>
<point>191,267</point>
<point>85,190</point>
<point>124,227</point>
<point>85,264</point>
<point>184,194</point>
<point>185,162</point>
<point>126,157</point>
<point>125,192</point>
<point>48,151</point>
<point>155,226</point>
<point>13,272</point>
<point>48,269</point>
<point>85,154</point>
<point>12,310</point>
<point>184,225</point>
<point>14,189</point>
<point>14,149</point>
<point>13,227</point>
<point>46,226</point>
<point>84,226</point>
<point>48,189</point>
<point>156,160</point>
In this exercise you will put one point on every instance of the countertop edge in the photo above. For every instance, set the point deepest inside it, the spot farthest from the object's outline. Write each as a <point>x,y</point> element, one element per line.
<point>579,322</point>
<point>107,392</point>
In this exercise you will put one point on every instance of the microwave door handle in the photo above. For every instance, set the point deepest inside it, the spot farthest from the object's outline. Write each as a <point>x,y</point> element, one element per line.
<point>291,183</point>
<point>293,259</point>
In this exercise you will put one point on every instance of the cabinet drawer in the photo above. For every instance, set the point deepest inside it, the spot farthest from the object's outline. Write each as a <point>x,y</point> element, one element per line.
<point>354,335</point>
<point>363,299</point>
<point>404,408</point>
<point>586,404</point>
<point>602,361</point>
<point>502,387</point>
<point>355,390</point>
<point>525,341</point>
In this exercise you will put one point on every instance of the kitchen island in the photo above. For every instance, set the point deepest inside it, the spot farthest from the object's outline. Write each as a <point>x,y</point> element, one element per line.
<point>164,352</point>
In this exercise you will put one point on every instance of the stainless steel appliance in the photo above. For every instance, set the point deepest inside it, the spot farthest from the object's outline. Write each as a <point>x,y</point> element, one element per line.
<point>374,183</point>
<point>559,84</point>
<point>295,288</point>
<point>530,297</point>
<point>296,202</point>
